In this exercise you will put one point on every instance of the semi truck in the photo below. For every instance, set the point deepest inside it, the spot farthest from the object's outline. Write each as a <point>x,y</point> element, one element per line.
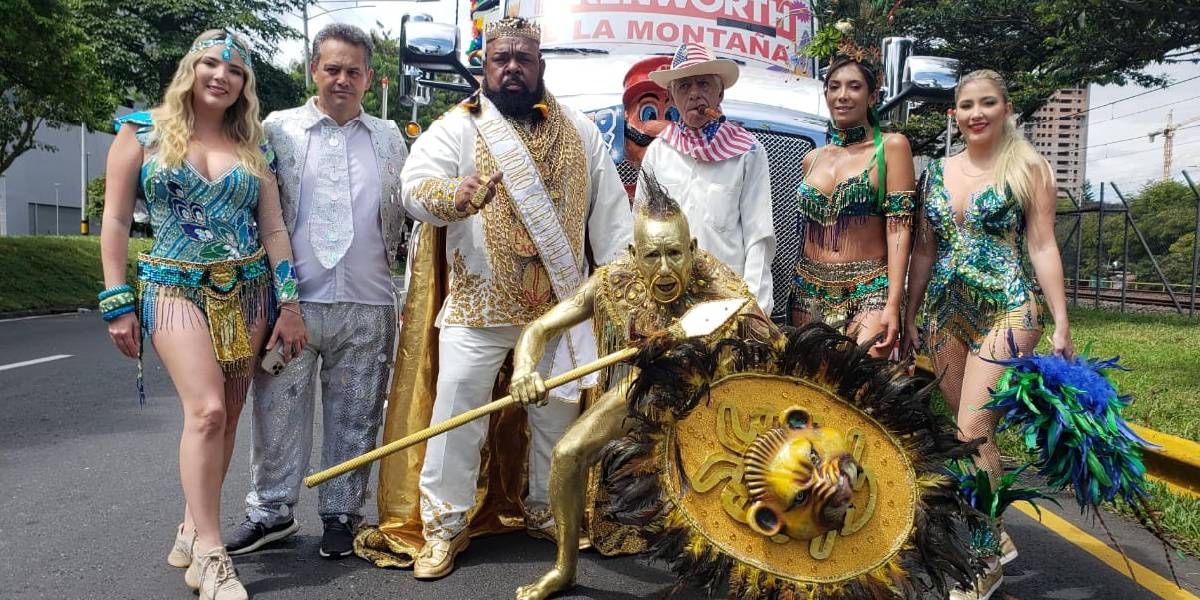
<point>598,52</point>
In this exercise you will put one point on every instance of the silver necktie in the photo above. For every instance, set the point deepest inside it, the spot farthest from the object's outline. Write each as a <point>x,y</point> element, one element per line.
<point>332,226</point>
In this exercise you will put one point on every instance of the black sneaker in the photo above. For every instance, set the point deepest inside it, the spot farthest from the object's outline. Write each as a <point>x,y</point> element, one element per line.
<point>250,536</point>
<point>338,540</point>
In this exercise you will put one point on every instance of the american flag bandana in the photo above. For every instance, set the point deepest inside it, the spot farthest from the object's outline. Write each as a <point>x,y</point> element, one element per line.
<point>717,141</point>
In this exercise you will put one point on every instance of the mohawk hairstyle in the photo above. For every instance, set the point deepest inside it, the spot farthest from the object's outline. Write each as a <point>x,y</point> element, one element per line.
<point>654,202</point>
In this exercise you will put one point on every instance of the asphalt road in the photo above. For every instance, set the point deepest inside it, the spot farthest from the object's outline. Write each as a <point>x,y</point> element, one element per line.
<point>89,497</point>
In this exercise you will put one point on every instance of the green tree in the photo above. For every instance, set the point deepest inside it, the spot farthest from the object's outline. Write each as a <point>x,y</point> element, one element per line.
<point>140,42</point>
<point>1165,213</point>
<point>48,75</point>
<point>1044,45</point>
<point>1038,45</point>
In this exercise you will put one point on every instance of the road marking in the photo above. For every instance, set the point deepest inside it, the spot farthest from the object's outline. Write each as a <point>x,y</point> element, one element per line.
<point>36,361</point>
<point>49,316</point>
<point>1153,582</point>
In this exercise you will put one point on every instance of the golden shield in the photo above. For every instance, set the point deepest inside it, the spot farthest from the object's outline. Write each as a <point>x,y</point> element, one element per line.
<point>704,467</point>
<point>738,442</point>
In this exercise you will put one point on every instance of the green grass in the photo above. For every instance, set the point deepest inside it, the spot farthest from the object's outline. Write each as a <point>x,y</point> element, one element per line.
<point>48,273</point>
<point>1163,352</point>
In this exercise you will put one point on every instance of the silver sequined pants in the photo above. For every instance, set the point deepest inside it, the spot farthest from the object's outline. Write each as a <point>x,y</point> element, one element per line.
<point>470,359</point>
<point>350,348</point>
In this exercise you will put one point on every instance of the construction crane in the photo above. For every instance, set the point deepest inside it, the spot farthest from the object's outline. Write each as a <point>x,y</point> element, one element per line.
<point>1168,134</point>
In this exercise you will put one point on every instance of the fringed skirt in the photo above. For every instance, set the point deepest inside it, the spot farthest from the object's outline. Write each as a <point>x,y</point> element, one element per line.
<point>232,296</point>
<point>836,292</point>
<point>970,316</point>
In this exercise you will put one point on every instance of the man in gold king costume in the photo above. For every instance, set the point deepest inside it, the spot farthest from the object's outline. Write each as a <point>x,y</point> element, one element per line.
<point>628,300</point>
<point>517,196</point>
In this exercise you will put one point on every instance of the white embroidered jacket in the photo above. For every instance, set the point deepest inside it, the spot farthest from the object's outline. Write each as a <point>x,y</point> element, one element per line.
<point>495,274</point>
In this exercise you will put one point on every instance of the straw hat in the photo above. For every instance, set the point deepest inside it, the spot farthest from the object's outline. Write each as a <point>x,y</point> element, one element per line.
<point>696,59</point>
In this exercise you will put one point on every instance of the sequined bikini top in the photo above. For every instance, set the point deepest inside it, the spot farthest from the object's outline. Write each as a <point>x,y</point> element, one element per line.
<point>854,196</point>
<point>194,218</point>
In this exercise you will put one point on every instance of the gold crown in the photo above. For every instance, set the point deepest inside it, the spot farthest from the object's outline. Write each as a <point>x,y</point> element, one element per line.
<point>513,27</point>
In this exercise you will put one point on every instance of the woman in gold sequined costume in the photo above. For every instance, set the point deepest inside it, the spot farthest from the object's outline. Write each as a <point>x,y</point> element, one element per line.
<point>204,291</point>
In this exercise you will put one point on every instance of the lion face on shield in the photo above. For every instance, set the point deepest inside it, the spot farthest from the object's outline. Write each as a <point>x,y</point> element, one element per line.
<point>800,478</point>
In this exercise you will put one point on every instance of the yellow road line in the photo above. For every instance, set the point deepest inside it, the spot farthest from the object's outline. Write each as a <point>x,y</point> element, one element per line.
<point>1153,582</point>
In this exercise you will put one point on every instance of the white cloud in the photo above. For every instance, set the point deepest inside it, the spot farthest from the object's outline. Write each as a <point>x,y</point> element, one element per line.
<point>1131,163</point>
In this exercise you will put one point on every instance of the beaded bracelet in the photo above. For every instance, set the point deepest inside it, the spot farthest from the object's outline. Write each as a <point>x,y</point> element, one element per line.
<point>116,301</point>
<point>114,290</point>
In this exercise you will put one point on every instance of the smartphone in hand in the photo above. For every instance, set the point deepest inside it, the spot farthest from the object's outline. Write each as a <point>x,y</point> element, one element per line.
<point>272,361</point>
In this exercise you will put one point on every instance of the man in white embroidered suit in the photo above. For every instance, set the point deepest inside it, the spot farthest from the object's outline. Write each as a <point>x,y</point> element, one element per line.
<point>339,172</point>
<point>715,169</point>
<point>529,197</point>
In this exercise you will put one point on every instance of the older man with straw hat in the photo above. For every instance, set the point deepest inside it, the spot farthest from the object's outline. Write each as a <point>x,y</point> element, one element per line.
<point>715,169</point>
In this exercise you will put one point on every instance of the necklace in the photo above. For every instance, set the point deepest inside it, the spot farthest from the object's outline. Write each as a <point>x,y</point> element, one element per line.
<point>962,166</point>
<point>848,136</point>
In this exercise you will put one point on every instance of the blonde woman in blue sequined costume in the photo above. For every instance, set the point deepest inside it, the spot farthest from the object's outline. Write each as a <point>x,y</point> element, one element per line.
<point>984,212</point>
<point>204,291</point>
<point>857,241</point>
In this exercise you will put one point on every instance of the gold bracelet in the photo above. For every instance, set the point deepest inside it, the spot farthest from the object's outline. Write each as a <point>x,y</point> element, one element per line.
<point>290,308</point>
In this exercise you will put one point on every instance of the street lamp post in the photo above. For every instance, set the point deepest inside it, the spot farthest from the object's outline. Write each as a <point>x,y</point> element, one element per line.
<point>56,229</point>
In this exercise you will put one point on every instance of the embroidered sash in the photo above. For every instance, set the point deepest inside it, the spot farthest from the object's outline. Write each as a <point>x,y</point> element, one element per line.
<point>534,207</point>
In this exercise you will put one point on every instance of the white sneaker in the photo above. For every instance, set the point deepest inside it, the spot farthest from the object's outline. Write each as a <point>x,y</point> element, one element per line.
<point>181,553</point>
<point>217,578</point>
<point>1008,550</point>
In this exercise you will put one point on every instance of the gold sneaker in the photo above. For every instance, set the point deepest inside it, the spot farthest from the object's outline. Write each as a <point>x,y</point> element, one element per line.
<point>986,584</point>
<point>1008,550</point>
<point>436,559</point>
<point>218,578</point>
<point>181,553</point>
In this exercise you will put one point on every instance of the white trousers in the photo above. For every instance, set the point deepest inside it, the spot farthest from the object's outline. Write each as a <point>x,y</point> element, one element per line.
<point>469,359</point>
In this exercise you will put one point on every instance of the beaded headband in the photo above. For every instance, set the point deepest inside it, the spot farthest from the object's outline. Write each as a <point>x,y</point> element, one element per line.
<point>513,27</point>
<point>230,44</point>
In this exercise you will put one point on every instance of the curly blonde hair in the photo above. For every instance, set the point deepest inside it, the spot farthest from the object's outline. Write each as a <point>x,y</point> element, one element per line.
<point>174,119</point>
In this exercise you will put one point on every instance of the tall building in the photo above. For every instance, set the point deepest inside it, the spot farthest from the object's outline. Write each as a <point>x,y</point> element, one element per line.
<point>1058,131</point>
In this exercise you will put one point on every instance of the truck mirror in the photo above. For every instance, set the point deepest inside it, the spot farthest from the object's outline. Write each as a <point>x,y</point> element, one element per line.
<point>909,78</point>
<point>895,52</point>
<point>428,48</point>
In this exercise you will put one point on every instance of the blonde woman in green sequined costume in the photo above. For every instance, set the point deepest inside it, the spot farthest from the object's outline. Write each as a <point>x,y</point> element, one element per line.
<point>204,291</point>
<point>986,213</point>
<point>857,234</point>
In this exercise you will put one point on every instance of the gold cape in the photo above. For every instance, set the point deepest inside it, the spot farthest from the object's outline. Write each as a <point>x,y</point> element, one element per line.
<point>397,539</point>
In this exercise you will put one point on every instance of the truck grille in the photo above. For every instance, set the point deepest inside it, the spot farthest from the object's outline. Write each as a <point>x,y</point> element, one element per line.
<point>784,153</point>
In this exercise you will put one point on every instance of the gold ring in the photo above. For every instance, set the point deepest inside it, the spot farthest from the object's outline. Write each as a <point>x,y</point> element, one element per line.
<point>479,198</point>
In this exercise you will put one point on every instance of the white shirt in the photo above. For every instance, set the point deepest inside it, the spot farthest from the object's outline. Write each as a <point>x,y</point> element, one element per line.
<point>728,208</point>
<point>362,275</point>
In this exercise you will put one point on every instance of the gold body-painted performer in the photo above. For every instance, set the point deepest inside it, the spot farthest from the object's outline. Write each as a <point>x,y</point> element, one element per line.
<point>629,300</point>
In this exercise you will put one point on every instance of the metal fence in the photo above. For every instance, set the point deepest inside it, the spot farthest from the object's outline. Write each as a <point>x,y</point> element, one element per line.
<point>1180,297</point>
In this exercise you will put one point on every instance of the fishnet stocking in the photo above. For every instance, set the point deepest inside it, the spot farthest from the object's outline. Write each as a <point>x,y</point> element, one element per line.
<point>967,378</point>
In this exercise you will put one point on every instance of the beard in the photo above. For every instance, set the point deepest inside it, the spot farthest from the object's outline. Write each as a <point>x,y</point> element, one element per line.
<point>516,105</point>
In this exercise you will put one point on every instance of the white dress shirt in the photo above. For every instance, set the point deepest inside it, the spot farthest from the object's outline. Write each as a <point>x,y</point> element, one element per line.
<point>362,275</point>
<point>728,208</point>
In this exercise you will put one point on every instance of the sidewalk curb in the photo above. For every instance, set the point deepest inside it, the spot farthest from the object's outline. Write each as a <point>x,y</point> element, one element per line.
<point>1175,462</point>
